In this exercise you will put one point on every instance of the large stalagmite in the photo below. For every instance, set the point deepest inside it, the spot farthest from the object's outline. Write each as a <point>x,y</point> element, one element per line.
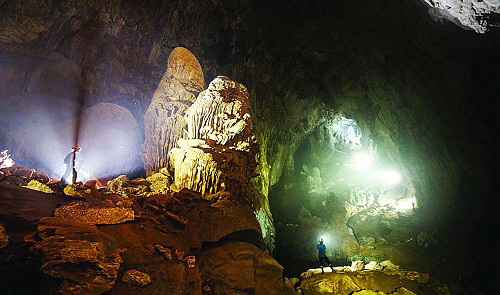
<point>219,152</point>
<point>163,121</point>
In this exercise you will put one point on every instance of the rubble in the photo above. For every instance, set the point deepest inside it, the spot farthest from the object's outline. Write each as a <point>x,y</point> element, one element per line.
<point>136,277</point>
<point>164,251</point>
<point>362,281</point>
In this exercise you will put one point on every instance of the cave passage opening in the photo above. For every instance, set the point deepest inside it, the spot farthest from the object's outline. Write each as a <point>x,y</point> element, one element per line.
<point>344,190</point>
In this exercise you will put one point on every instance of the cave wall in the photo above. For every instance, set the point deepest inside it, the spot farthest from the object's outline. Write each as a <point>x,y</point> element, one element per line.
<point>418,88</point>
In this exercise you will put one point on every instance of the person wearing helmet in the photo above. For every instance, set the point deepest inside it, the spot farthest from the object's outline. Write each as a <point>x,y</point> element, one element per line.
<point>322,255</point>
<point>70,162</point>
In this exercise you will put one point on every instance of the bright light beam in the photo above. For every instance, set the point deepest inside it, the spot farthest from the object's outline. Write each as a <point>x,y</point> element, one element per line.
<point>391,177</point>
<point>362,161</point>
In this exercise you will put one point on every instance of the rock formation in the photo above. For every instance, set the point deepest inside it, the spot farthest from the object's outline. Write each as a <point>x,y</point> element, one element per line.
<point>344,280</point>
<point>236,267</point>
<point>86,259</point>
<point>219,152</point>
<point>164,119</point>
<point>471,14</point>
<point>136,277</point>
<point>97,212</point>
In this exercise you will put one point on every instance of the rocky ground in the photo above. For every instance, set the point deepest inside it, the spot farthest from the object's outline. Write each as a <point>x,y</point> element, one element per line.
<point>97,240</point>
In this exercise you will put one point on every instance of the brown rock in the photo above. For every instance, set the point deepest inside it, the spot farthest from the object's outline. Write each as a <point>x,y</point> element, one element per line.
<point>85,258</point>
<point>191,261</point>
<point>100,212</point>
<point>4,238</point>
<point>234,266</point>
<point>163,250</point>
<point>179,254</point>
<point>136,277</point>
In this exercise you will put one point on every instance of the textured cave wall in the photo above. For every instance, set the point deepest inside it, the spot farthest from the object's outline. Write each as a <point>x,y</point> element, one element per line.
<point>422,90</point>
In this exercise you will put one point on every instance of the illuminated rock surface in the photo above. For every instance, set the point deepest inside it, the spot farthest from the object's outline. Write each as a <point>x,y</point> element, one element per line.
<point>164,119</point>
<point>37,185</point>
<point>136,277</point>
<point>363,282</point>
<point>219,152</point>
<point>473,14</point>
<point>100,212</point>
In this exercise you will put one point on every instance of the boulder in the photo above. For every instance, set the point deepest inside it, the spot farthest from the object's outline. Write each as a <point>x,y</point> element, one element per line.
<point>240,268</point>
<point>160,182</point>
<point>86,259</point>
<point>373,265</point>
<point>388,265</point>
<point>97,212</point>
<point>136,277</point>
<point>371,282</point>
<point>77,191</point>
<point>38,186</point>
<point>357,265</point>
<point>138,187</point>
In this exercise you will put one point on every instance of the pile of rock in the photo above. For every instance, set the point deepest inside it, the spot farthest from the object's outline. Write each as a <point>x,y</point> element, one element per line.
<point>372,278</point>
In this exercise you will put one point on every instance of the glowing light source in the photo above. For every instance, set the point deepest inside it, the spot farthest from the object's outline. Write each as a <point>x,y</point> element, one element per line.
<point>325,237</point>
<point>391,177</point>
<point>362,161</point>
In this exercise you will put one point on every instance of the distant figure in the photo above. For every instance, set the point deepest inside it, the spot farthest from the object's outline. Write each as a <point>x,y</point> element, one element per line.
<point>70,162</point>
<point>322,255</point>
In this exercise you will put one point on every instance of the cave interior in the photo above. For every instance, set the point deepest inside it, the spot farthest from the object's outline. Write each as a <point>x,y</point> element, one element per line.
<point>221,140</point>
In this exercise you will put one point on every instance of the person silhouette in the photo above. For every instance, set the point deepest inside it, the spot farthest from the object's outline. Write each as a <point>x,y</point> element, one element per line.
<point>322,255</point>
<point>70,162</point>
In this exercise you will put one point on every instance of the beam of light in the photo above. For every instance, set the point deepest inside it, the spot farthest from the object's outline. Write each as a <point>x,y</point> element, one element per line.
<point>390,177</point>
<point>109,137</point>
<point>326,238</point>
<point>362,161</point>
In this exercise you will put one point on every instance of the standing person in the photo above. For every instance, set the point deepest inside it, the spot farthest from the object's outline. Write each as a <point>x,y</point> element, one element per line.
<point>70,162</point>
<point>322,255</point>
